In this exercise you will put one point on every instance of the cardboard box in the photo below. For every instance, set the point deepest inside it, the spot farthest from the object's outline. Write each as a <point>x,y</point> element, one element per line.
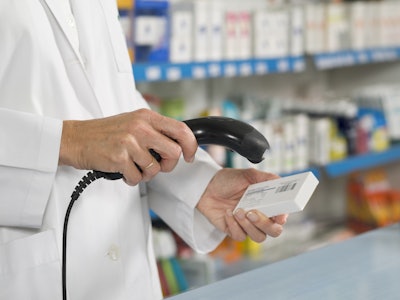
<point>279,196</point>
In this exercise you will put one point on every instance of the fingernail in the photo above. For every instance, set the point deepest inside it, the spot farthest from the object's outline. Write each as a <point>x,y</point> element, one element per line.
<point>252,216</point>
<point>285,219</point>
<point>229,212</point>
<point>240,214</point>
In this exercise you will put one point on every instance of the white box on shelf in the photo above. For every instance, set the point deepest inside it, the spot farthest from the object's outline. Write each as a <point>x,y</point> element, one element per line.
<point>373,24</point>
<point>181,23</point>
<point>216,30</point>
<point>315,19</point>
<point>244,35</point>
<point>280,196</point>
<point>271,33</point>
<point>296,35</point>
<point>200,30</point>
<point>337,27</point>
<point>180,50</point>
<point>231,50</point>
<point>149,30</point>
<point>260,38</point>
<point>358,25</point>
<point>320,141</point>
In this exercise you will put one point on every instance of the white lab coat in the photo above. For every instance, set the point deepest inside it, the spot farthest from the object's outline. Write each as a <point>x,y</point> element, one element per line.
<point>44,79</point>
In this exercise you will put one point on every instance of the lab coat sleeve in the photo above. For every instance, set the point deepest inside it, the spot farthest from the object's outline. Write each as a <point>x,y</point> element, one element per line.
<point>28,161</point>
<point>174,196</point>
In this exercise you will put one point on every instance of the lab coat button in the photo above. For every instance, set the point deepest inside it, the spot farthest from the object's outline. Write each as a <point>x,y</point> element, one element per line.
<point>113,253</point>
<point>70,22</point>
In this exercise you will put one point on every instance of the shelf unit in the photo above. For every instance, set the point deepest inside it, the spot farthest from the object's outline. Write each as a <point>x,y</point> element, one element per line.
<point>152,72</point>
<point>332,175</point>
<point>355,163</point>
<point>167,72</point>
<point>363,162</point>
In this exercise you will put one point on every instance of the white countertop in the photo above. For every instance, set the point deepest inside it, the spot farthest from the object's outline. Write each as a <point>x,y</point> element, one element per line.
<point>364,267</point>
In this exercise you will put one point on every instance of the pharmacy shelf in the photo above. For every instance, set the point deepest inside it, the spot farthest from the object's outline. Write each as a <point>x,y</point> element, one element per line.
<point>363,162</point>
<point>339,59</point>
<point>315,170</point>
<point>150,72</point>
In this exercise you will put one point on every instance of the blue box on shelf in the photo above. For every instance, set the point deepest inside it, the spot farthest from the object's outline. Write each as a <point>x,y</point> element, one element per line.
<point>151,30</point>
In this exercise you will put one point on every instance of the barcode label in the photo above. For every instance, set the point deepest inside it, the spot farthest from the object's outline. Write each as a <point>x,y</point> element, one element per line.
<point>285,188</point>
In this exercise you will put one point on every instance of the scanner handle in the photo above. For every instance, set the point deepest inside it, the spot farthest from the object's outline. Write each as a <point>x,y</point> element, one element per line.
<point>230,133</point>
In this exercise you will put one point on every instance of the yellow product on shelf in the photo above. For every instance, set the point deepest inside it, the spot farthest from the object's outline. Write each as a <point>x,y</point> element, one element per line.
<point>380,139</point>
<point>125,4</point>
<point>338,144</point>
<point>252,248</point>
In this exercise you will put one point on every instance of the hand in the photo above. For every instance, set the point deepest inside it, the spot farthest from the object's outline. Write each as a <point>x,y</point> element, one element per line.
<point>221,197</point>
<point>121,144</point>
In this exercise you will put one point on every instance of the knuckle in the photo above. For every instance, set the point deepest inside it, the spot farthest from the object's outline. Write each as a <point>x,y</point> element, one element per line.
<point>144,111</point>
<point>118,158</point>
<point>176,152</point>
<point>168,166</point>
<point>188,133</point>
<point>185,129</point>
<point>126,140</point>
<point>138,126</point>
<point>240,237</point>
<point>133,180</point>
<point>153,171</point>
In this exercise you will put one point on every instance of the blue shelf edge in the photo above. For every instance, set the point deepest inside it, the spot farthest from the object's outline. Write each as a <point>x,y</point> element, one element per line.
<point>346,58</point>
<point>164,71</point>
<point>315,170</point>
<point>151,72</point>
<point>363,162</point>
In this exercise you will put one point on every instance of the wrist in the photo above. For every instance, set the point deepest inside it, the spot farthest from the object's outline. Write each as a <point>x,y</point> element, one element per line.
<point>66,146</point>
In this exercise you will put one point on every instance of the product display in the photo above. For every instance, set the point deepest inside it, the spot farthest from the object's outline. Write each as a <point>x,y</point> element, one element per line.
<point>317,115</point>
<point>208,30</point>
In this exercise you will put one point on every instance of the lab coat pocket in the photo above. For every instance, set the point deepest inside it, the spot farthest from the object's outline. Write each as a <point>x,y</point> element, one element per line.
<point>116,36</point>
<point>30,268</point>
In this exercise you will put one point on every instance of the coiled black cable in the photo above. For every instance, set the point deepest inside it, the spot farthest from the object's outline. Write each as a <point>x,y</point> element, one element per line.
<point>80,187</point>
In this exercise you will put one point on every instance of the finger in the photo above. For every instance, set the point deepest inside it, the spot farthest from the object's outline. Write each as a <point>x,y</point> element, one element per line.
<point>142,166</point>
<point>168,151</point>
<point>151,169</point>
<point>181,134</point>
<point>281,219</point>
<point>233,228</point>
<point>131,175</point>
<point>263,223</point>
<point>248,227</point>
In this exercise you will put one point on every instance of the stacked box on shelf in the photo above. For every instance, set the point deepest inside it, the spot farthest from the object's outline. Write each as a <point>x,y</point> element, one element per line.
<point>125,8</point>
<point>125,4</point>
<point>371,201</point>
<point>151,30</point>
<point>181,46</point>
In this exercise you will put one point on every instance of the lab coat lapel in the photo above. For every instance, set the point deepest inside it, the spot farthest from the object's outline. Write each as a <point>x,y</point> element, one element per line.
<point>77,73</point>
<point>59,14</point>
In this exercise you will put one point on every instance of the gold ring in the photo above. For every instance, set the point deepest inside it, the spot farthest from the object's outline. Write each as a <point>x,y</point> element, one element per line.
<point>150,164</point>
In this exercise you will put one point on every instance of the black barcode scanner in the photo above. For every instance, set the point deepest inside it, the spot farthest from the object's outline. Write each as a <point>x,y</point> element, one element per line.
<point>233,134</point>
